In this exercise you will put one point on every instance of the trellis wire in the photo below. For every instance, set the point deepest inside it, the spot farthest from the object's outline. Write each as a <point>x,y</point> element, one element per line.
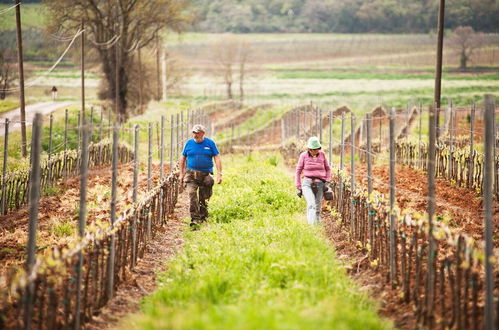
<point>51,276</point>
<point>456,254</point>
<point>467,164</point>
<point>59,166</point>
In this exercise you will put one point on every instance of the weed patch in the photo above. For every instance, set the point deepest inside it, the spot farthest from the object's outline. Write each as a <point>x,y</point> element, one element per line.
<point>256,264</point>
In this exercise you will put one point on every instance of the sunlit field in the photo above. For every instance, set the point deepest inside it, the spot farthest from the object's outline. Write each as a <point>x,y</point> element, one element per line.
<point>361,70</point>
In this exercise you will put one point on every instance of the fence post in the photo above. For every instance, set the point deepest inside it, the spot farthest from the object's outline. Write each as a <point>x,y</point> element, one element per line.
<point>393,274</point>
<point>91,124</point>
<point>320,125</point>
<point>450,128</point>
<point>342,147</point>
<point>34,199</point>
<point>171,143</point>
<point>109,124</point>
<point>161,149</point>
<point>134,196</point>
<point>100,137</point>
<point>431,208</point>
<point>112,250</point>
<point>149,157</point>
<point>157,137</point>
<point>149,175</point>
<point>369,178</point>
<point>360,149</point>
<point>330,137</point>
<point>79,130</point>
<point>65,144</point>
<point>352,174</point>
<point>420,150</point>
<point>82,217</point>
<point>488,185</point>
<point>182,127</point>
<point>380,130</point>
<point>51,124</point>
<point>177,147</point>
<point>472,146</point>
<point>100,124</point>
<point>5,156</point>
<point>342,142</point>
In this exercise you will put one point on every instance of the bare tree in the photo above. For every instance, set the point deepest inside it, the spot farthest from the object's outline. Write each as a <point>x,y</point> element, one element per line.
<point>244,54</point>
<point>231,54</point>
<point>135,22</point>
<point>176,73</point>
<point>8,71</point>
<point>7,74</point>
<point>465,41</point>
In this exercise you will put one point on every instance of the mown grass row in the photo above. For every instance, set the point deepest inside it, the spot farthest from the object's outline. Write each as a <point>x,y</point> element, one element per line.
<point>8,105</point>
<point>256,265</point>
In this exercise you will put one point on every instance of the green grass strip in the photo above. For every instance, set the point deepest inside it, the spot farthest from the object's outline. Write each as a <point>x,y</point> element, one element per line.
<point>257,264</point>
<point>381,75</point>
<point>8,105</point>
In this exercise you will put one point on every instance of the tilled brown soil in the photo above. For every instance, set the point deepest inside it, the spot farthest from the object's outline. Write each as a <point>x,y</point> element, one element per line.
<point>142,281</point>
<point>373,282</point>
<point>58,214</point>
<point>460,208</point>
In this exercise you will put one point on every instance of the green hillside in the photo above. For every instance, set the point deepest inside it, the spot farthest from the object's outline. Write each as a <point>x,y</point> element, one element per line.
<point>32,16</point>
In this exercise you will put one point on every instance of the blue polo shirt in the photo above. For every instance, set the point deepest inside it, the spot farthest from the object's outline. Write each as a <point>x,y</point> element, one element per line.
<point>200,155</point>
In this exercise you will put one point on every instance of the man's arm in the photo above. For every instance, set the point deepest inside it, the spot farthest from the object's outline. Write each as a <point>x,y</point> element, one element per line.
<point>218,164</point>
<point>181,167</point>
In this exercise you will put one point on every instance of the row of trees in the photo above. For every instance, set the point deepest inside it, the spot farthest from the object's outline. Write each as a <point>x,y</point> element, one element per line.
<point>117,32</point>
<point>342,16</point>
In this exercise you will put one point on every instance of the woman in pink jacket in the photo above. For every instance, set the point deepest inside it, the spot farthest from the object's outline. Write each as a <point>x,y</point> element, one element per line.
<point>316,172</point>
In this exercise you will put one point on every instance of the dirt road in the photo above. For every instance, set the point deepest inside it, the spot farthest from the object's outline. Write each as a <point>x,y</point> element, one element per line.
<point>43,108</point>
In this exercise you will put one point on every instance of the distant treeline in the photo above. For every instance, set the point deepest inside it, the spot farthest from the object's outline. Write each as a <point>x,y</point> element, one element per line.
<point>345,16</point>
<point>11,2</point>
<point>348,16</point>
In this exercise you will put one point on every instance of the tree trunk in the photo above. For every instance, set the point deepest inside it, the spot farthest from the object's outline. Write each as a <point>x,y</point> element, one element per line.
<point>3,90</point>
<point>229,90</point>
<point>109,64</point>
<point>463,61</point>
<point>241,82</point>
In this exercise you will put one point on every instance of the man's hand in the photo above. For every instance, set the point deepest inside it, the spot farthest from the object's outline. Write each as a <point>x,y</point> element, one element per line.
<point>299,193</point>
<point>219,178</point>
<point>181,177</point>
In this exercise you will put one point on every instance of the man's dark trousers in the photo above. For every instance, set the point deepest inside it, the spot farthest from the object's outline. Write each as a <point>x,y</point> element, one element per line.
<point>199,186</point>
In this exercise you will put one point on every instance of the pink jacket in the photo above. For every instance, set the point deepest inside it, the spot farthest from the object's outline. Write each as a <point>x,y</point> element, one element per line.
<point>317,167</point>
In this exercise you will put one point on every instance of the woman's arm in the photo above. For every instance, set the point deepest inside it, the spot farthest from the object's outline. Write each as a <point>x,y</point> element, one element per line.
<point>299,169</point>
<point>327,167</point>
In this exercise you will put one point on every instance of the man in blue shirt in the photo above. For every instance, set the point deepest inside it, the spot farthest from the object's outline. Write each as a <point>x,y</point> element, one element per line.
<point>199,154</point>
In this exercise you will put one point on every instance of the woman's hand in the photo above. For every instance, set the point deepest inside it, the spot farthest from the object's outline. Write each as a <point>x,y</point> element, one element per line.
<point>299,193</point>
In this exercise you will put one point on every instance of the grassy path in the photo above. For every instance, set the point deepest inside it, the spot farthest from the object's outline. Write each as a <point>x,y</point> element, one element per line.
<point>257,265</point>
